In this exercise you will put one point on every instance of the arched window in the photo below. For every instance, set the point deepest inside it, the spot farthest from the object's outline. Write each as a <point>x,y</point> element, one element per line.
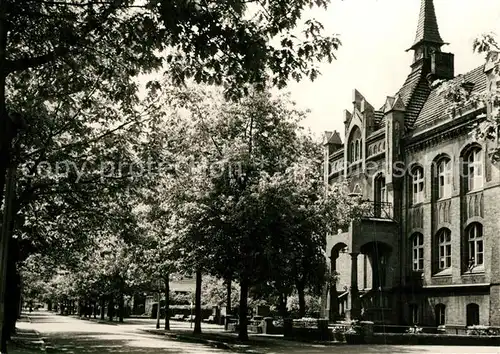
<point>418,252</point>
<point>444,179</point>
<point>355,143</point>
<point>474,169</point>
<point>417,185</point>
<point>475,245</point>
<point>444,249</point>
<point>472,311</point>
<point>440,312</point>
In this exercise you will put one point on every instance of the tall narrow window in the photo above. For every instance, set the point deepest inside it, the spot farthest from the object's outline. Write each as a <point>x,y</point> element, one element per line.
<point>418,252</point>
<point>475,245</point>
<point>474,170</point>
<point>445,179</point>
<point>417,185</point>
<point>355,143</point>
<point>380,206</point>
<point>444,249</point>
<point>440,311</point>
<point>414,315</point>
<point>472,311</point>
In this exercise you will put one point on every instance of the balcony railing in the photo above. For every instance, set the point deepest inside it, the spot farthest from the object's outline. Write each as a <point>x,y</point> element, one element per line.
<point>379,210</point>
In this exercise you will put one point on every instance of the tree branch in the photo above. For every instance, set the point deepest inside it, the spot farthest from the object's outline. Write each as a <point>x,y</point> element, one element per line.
<point>31,62</point>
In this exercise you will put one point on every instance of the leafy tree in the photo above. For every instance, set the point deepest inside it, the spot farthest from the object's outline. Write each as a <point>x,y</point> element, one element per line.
<point>60,47</point>
<point>71,66</point>
<point>214,292</point>
<point>460,98</point>
<point>235,220</point>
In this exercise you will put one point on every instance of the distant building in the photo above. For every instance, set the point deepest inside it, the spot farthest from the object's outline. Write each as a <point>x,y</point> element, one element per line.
<point>186,286</point>
<point>428,250</point>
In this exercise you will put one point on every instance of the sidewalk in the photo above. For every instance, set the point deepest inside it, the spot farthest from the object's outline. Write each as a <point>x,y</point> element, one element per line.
<point>26,340</point>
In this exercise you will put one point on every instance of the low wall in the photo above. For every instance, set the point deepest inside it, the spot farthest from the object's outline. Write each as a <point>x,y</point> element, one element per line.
<point>319,333</point>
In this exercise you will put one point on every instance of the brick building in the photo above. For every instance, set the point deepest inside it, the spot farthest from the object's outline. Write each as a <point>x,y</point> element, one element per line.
<point>427,251</point>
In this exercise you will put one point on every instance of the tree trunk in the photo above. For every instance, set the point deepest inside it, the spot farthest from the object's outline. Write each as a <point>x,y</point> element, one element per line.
<point>11,297</point>
<point>5,134</point>
<point>243,327</point>
<point>6,232</point>
<point>121,302</point>
<point>158,310</point>
<point>167,303</point>
<point>197,308</point>
<point>228,303</point>
<point>5,145</point>
<point>103,307</point>
<point>80,307</point>
<point>302,299</point>
<point>282,305</point>
<point>111,308</point>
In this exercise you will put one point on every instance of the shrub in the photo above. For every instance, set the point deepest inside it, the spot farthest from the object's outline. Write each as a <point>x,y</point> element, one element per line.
<point>354,328</point>
<point>479,330</point>
<point>414,330</point>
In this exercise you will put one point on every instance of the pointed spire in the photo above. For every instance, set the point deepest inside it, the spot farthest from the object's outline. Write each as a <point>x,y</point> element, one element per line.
<point>427,29</point>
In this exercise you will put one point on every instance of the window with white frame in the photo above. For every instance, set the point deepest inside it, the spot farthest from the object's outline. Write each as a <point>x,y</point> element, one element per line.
<point>474,170</point>
<point>418,252</point>
<point>475,245</point>
<point>417,185</point>
<point>445,178</point>
<point>444,249</point>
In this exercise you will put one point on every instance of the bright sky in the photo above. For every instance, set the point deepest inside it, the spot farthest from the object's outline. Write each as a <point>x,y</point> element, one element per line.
<point>372,59</point>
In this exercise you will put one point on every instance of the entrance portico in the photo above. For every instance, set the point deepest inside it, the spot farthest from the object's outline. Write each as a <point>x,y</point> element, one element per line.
<point>363,263</point>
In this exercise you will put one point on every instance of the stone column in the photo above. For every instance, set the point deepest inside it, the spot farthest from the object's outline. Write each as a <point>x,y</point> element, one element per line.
<point>355,306</point>
<point>334,300</point>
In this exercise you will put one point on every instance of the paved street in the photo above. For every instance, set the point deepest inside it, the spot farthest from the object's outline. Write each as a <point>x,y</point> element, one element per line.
<point>71,335</point>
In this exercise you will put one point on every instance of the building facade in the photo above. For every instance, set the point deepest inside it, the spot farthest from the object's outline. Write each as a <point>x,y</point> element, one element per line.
<point>427,249</point>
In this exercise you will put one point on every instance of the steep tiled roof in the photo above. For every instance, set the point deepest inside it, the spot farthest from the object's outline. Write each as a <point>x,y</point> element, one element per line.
<point>417,102</point>
<point>427,29</point>
<point>406,92</point>
<point>435,106</point>
<point>335,139</point>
